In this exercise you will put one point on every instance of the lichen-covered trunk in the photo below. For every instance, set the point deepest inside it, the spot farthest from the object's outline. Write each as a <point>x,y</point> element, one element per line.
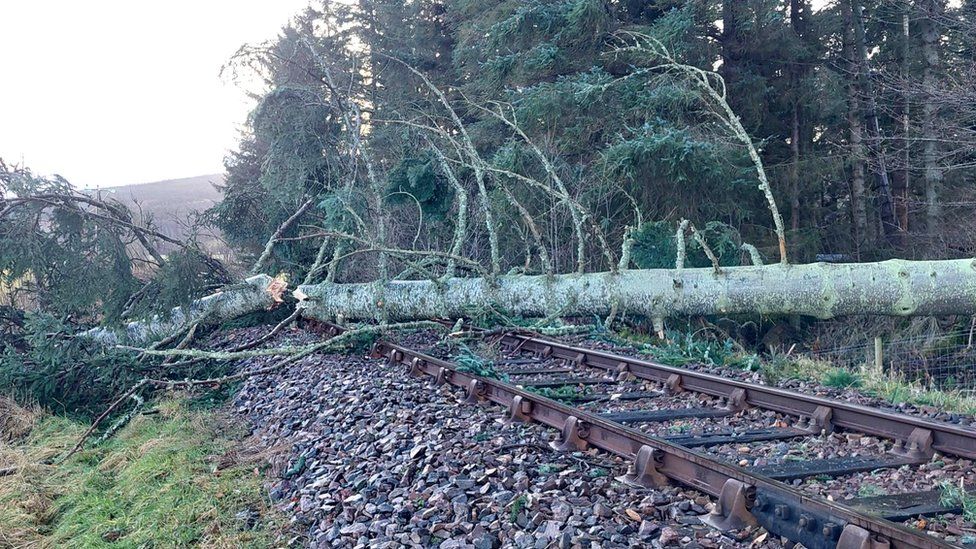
<point>822,290</point>
<point>253,295</point>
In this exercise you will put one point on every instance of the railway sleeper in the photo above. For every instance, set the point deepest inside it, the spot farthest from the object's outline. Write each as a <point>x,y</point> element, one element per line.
<point>562,381</point>
<point>706,440</point>
<point>536,371</point>
<point>832,467</point>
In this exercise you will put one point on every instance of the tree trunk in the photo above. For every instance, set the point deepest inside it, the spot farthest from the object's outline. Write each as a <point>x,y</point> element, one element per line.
<point>734,14</point>
<point>253,295</point>
<point>885,202</point>
<point>821,290</point>
<point>932,172</point>
<point>800,135</point>
<point>900,175</point>
<point>857,150</point>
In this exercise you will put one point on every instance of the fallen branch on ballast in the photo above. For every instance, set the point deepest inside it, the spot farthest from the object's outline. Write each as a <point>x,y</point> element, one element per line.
<point>294,354</point>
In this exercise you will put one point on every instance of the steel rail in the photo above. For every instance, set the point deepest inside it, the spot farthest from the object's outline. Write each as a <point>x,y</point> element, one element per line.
<point>743,497</point>
<point>905,429</point>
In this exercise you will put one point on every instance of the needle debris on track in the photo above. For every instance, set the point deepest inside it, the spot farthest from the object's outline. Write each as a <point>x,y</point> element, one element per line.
<point>378,459</point>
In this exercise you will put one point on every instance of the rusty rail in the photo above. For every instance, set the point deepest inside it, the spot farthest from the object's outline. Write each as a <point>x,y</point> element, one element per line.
<point>920,435</point>
<point>744,498</point>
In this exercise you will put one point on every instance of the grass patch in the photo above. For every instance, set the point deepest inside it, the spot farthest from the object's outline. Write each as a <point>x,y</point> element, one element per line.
<point>841,378</point>
<point>517,505</point>
<point>954,494</point>
<point>174,478</point>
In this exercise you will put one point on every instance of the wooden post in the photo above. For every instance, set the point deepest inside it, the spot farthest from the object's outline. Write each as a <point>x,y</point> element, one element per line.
<point>878,354</point>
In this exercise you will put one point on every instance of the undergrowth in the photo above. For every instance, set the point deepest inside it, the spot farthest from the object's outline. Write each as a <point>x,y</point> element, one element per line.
<point>171,478</point>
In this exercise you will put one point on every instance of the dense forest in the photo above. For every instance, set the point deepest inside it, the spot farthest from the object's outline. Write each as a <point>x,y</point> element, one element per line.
<point>562,118</point>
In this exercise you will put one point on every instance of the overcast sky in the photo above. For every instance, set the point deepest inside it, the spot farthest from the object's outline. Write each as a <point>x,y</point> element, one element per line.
<point>110,92</point>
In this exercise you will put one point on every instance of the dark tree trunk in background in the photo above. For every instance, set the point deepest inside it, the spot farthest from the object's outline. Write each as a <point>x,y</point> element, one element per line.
<point>799,70</point>
<point>900,176</point>
<point>885,202</point>
<point>733,44</point>
<point>931,61</point>
<point>857,150</point>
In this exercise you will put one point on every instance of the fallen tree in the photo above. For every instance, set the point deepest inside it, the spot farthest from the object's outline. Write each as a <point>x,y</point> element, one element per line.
<point>257,293</point>
<point>821,290</point>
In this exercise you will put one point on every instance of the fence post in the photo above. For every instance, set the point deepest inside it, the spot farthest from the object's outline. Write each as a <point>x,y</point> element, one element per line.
<point>878,354</point>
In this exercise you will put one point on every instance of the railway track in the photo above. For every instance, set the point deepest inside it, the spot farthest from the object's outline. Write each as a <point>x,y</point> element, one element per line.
<point>601,401</point>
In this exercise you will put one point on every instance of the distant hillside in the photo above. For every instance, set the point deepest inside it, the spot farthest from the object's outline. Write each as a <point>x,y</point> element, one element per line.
<point>170,203</point>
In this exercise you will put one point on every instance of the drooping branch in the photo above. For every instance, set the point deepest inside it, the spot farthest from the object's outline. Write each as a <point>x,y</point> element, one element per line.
<point>753,254</point>
<point>713,86</point>
<point>706,248</point>
<point>578,212</point>
<point>476,162</point>
<point>461,225</point>
<point>533,228</point>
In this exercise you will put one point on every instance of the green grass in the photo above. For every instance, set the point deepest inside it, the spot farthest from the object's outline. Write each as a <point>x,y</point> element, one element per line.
<point>953,494</point>
<point>175,478</point>
<point>517,505</point>
<point>841,378</point>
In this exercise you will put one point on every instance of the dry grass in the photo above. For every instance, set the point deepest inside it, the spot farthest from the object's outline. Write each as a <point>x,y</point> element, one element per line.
<point>25,502</point>
<point>16,421</point>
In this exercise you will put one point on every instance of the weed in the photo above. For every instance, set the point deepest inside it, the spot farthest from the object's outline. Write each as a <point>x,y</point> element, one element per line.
<point>870,491</point>
<point>841,379</point>
<point>563,392</point>
<point>679,428</point>
<point>953,494</point>
<point>518,504</point>
<point>780,367</point>
<point>597,472</point>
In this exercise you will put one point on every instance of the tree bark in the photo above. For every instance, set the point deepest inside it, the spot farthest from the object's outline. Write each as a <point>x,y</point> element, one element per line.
<point>799,71</point>
<point>900,175</point>
<point>885,202</point>
<point>932,172</point>
<point>857,149</point>
<point>254,294</point>
<point>821,290</point>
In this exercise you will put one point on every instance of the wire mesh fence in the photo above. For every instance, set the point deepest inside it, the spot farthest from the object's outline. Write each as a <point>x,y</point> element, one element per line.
<point>945,361</point>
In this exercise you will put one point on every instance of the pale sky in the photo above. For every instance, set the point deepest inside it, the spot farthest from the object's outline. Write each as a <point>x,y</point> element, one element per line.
<point>111,92</point>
